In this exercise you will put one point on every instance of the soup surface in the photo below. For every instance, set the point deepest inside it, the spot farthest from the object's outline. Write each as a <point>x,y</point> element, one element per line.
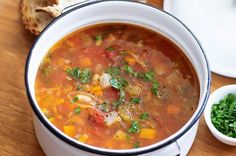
<point>117,86</point>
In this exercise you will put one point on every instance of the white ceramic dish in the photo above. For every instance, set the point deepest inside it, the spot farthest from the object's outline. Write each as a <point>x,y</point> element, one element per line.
<point>213,22</point>
<point>215,97</point>
<point>56,143</point>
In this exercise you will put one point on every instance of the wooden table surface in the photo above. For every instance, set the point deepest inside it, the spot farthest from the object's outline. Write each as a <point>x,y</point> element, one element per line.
<point>17,137</point>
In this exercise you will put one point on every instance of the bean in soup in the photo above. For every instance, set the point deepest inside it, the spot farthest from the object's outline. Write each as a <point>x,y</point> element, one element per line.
<point>117,86</point>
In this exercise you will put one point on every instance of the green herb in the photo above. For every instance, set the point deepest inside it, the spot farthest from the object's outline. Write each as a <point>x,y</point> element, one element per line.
<point>121,99</point>
<point>98,38</point>
<point>79,88</point>
<point>83,75</point>
<point>104,107</point>
<point>74,72</point>
<point>155,86</point>
<point>134,127</point>
<point>110,49</point>
<point>149,76</point>
<point>76,98</point>
<point>130,70</point>
<point>136,144</point>
<point>223,115</point>
<point>113,71</point>
<point>77,110</point>
<point>144,116</point>
<point>136,100</point>
<point>118,83</point>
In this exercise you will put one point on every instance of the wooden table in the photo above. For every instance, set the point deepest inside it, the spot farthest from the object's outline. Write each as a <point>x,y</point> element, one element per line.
<point>17,137</point>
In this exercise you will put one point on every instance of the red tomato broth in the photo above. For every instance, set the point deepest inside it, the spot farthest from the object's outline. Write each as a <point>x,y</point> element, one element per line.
<point>92,113</point>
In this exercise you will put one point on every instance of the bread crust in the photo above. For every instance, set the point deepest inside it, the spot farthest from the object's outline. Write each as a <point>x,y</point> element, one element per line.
<point>34,21</point>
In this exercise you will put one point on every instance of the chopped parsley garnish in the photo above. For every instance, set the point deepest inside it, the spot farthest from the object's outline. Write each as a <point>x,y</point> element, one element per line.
<point>149,76</point>
<point>74,72</point>
<point>98,37</point>
<point>113,71</point>
<point>121,99</point>
<point>134,128</point>
<point>144,116</point>
<point>83,75</point>
<point>155,86</point>
<point>223,115</point>
<point>129,70</point>
<point>136,100</point>
<point>118,83</point>
<point>76,98</point>
<point>136,144</point>
<point>77,110</point>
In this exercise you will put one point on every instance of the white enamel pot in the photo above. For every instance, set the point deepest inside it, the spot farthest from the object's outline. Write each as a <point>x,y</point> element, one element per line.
<point>53,141</point>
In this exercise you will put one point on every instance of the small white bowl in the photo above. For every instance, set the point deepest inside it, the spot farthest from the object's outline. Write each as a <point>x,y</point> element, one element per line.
<point>215,97</point>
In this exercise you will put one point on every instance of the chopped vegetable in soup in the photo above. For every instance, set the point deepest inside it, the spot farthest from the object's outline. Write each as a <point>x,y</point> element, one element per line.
<point>117,86</point>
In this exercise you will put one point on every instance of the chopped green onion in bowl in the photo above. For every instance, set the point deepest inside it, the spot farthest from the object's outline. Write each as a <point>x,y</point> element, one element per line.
<point>223,115</point>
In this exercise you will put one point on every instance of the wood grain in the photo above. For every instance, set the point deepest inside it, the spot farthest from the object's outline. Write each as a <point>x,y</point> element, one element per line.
<point>17,137</point>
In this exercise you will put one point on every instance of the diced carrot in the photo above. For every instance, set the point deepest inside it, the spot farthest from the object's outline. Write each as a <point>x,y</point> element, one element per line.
<point>69,130</point>
<point>60,62</point>
<point>130,60</point>
<point>97,90</point>
<point>171,109</point>
<point>60,101</point>
<point>85,61</point>
<point>147,133</point>
<point>120,135</point>
<point>83,138</point>
<point>58,117</point>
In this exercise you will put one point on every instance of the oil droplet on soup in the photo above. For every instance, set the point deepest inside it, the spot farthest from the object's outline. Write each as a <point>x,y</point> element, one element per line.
<point>117,86</point>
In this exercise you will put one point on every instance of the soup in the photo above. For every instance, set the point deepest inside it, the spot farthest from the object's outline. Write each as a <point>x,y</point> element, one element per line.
<point>117,86</point>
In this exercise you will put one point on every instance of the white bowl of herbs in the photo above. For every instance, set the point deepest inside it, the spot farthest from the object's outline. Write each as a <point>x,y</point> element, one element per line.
<point>220,114</point>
